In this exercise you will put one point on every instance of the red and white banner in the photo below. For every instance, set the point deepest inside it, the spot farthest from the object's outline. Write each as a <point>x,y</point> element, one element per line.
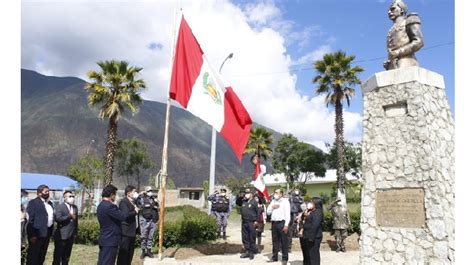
<point>258,182</point>
<point>201,91</point>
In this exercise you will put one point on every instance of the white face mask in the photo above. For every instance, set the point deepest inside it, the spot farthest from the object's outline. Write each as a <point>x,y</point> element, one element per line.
<point>70,200</point>
<point>309,206</point>
<point>223,194</point>
<point>149,193</point>
<point>276,196</point>
<point>247,196</point>
<point>297,193</point>
<point>135,195</point>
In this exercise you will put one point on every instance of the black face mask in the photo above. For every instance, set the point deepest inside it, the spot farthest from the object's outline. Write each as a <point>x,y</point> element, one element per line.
<point>45,196</point>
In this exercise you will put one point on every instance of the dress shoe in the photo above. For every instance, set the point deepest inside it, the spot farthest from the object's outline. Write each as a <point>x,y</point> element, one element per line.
<point>245,255</point>
<point>250,256</point>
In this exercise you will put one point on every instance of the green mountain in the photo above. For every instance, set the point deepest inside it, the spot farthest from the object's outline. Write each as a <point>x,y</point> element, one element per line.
<point>57,127</point>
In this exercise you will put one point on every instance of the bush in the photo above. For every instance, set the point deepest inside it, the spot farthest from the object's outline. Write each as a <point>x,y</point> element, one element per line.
<point>88,231</point>
<point>355,221</point>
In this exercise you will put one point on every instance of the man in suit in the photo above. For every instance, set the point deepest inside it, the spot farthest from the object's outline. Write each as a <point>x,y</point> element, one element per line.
<point>65,216</point>
<point>40,226</point>
<point>129,227</point>
<point>110,218</point>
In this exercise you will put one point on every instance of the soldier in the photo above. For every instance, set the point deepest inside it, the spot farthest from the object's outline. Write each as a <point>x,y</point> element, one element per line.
<point>404,37</point>
<point>249,212</point>
<point>221,206</point>
<point>149,215</point>
<point>341,223</point>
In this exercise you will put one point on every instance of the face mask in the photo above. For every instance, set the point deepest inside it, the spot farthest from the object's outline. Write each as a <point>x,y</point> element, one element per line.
<point>222,194</point>
<point>135,195</point>
<point>256,199</point>
<point>309,206</point>
<point>24,200</point>
<point>276,196</point>
<point>149,194</point>
<point>45,196</point>
<point>297,192</point>
<point>247,196</point>
<point>70,200</point>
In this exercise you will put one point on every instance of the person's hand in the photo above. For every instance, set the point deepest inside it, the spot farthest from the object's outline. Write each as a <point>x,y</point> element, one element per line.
<point>33,240</point>
<point>73,216</point>
<point>285,229</point>
<point>276,206</point>
<point>255,224</point>
<point>137,209</point>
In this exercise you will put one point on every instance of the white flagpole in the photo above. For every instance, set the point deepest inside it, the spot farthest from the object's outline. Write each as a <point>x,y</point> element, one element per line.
<point>164,162</point>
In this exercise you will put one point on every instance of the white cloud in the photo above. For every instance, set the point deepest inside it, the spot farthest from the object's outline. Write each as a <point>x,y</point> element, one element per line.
<point>67,39</point>
<point>312,56</point>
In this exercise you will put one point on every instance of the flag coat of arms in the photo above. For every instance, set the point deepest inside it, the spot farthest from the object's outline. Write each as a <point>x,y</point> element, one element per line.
<point>258,182</point>
<point>201,91</point>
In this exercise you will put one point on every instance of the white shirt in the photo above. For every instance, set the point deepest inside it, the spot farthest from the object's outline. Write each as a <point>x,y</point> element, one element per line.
<point>49,210</point>
<point>281,213</point>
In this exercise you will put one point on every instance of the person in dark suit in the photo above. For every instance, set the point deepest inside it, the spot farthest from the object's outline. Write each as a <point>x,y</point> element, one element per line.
<point>65,216</point>
<point>40,226</point>
<point>312,232</point>
<point>110,218</point>
<point>129,227</point>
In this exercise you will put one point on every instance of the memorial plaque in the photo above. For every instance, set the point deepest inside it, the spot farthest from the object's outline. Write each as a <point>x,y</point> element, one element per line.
<point>400,208</point>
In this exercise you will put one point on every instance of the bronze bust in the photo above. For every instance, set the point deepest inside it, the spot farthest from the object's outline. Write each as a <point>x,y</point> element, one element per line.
<point>404,37</point>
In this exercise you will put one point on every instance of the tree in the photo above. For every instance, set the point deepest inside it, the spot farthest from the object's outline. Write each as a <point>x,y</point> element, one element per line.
<point>259,144</point>
<point>236,185</point>
<point>133,160</point>
<point>335,76</point>
<point>295,158</point>
<point>87,170</point>
<point>114,89</point>
<point>352,157</point>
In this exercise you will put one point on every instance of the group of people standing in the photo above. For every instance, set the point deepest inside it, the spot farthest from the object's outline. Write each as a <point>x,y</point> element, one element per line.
<point>287,219</point>
<point>118,225</point>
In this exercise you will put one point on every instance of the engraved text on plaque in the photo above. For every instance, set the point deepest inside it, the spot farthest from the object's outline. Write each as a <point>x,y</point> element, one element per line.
<point>400,208</point>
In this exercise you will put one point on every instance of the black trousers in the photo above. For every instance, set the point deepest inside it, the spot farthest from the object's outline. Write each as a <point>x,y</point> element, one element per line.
<point>126,249</point>
<point>249,235</point>
<point>310,249</point>
<point>279,238</point>
<point>37,252</point>
<point>62,250</point>
<point>107,255</point>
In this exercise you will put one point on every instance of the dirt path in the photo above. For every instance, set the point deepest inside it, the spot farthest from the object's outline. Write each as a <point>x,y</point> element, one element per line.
<point>228,252</point>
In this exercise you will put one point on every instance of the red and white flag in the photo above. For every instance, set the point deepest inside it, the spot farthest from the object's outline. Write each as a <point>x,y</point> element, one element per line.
<point>201,91</point>
<point>258,182</point>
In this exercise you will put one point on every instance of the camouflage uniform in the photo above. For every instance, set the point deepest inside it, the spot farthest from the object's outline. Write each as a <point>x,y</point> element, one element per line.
<point>149,216</point>
<point>341,223</point>
<point>221,207</point>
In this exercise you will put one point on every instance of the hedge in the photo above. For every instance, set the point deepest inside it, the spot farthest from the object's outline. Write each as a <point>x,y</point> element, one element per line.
<point>355,221</point>
<point>196,227</point>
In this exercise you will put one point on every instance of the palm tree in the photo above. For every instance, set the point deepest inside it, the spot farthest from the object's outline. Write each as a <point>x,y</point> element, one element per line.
<point>259,144</point>
<point>335,78</point>
<point>114,89</point>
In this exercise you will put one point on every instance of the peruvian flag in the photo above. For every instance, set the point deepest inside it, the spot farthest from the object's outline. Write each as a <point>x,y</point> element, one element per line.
<point>201,91</point>
<point>258,182</point>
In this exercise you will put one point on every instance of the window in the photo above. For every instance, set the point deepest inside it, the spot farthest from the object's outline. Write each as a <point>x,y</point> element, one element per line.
<point>194,195</point>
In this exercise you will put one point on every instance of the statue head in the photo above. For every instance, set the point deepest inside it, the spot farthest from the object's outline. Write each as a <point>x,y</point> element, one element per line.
<point>397,8</point>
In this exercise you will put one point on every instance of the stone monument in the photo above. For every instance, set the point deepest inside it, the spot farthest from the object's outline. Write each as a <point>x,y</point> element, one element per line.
<point>407,214</point>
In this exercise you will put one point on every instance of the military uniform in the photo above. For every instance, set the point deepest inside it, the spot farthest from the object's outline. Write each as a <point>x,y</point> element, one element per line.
<point>403,40</point>
<point>341,223</point>
<point>149,215</point>
<point>295,206</point>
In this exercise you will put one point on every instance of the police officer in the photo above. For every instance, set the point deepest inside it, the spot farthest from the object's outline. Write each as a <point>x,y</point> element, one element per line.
<point>149,215</point>
<point>295,205</point>
<point>249,212</point>
<point>212,198</point>
<point>221,205</point>
<point>341,223</point>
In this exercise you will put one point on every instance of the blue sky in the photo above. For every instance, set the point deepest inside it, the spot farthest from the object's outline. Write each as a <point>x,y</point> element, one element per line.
<point>360,27</point>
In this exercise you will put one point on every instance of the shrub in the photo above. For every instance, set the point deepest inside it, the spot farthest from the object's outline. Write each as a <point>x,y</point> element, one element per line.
<point>355,221</point>
<point>88,231</point>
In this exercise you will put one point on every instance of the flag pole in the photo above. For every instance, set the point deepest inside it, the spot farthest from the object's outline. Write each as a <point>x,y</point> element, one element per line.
<point>164,162</point>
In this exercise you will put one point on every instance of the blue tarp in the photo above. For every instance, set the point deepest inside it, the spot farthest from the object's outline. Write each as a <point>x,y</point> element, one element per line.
<point>31,181</point>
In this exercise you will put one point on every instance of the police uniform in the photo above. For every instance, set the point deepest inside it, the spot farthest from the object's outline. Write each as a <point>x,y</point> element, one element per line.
<point>341,223</point>
<point>295,206</point>
<point>149,215</point>
<point>220,204</point>
<point>249,212</point>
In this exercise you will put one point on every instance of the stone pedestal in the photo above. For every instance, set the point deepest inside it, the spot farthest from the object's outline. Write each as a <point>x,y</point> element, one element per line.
<point>408,168</point>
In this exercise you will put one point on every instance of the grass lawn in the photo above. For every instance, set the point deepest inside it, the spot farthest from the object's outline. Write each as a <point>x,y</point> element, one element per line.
<point>86,255</point>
